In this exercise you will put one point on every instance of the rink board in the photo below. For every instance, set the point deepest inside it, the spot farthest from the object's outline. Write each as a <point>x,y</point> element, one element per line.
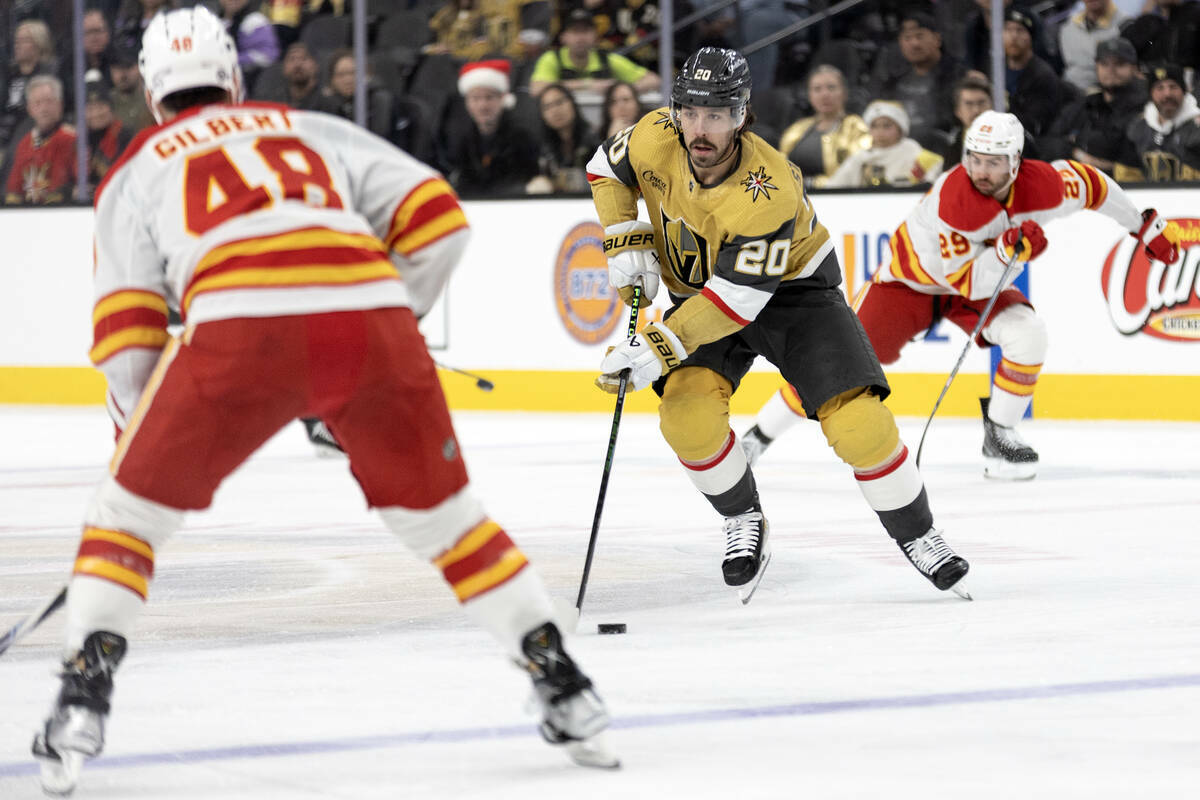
<point>530,308</point>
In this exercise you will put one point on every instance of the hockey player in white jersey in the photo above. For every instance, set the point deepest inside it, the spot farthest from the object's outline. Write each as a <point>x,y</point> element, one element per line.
<point>948,258</point>
<point>298,249</point>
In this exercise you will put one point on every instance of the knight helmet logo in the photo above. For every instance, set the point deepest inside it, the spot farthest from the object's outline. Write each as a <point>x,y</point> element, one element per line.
<point>1151,297</point>
<point>686,251</point>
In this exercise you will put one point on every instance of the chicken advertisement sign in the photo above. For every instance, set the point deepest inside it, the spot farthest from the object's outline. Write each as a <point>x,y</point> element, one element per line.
<point>1146,296</point>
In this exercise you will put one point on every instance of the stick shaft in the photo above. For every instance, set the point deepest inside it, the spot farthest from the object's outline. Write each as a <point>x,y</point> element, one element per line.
<point>1000,287</point>
<point>608,459</point>
<point>34,619</point>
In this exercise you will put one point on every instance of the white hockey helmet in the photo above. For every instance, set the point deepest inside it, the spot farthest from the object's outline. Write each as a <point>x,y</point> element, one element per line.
<point>995,133</point>
<point>188,48</point>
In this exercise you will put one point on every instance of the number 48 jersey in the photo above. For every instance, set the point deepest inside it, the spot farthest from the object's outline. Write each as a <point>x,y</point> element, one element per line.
<point>256,210</point>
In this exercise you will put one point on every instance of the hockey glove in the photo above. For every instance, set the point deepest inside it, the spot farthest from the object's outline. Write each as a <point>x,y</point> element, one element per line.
<point>632,257</point>
<point>1033,241</point>
<point>1159,236</point>
<point>647,355</point>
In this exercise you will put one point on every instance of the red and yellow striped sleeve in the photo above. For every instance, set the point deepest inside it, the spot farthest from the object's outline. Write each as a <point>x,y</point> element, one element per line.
<point>128,318</point>
<point>430,212</point>
<point>304,257</point>
<point>905,263</point>
<point>960,279</point>
<point>481,560</point>
<point>1095,187</point>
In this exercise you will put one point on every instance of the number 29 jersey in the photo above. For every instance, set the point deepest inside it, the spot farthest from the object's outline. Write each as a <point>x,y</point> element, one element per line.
<point>256,210</point>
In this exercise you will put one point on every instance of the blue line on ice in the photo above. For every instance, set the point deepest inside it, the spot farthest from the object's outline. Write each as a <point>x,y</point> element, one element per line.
<point>375,742</point>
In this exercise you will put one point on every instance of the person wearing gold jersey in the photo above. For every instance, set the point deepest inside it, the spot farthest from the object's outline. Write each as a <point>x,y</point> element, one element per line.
<point>750,271</point>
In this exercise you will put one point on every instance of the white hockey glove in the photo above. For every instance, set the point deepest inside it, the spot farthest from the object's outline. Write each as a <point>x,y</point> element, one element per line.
<point>632,257</point>
<point>647,355</point>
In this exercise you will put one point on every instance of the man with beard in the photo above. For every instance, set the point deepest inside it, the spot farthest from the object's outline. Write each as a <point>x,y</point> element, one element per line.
<point>750,271</point>
<point>1092,129</point>
<point>1167,135</point>
<point>949,257</point>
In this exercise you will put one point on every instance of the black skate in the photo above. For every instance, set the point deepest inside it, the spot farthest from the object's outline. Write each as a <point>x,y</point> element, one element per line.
<point>934,559</point>
<point>754,444</point>
<point>322,440</point>
<point>573,714</point>
<point>746,552</point>
<point>74,730</point>
<point>1006,456</point>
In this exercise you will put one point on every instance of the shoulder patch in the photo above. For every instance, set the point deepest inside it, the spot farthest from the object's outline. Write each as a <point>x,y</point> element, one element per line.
<point>1038,187</point>
<point>962,206</point>
<point>758,182</point>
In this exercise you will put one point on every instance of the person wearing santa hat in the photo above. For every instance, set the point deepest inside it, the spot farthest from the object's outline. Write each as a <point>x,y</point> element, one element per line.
<point>488,152</point>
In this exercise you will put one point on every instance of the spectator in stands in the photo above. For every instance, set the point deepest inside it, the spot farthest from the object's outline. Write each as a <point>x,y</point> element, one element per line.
<point>338,97</point>
<point>1168,34</point>
<point>567,143</point>
<point>301,89</point>
<point>286,17</point>
<point>621,108</point>
<point>32,55</point>
<point>106,137</point>
<point>922,80</point>
<point>132,19</point>
<point>42,171</point>
<point>460,29</point>
<point>972,97</point>
<point>622,23</point>
<point>128,98</point>
<point>488,153</point>
<point>819,144</point>
<point>471,29</point>
<point>257,44</point>
<point>893,159</point>
<point>581,67</point>
<point>1167,135</point>
<point>1091,130</point>
<point>1035,93</point>
<point>97,46</point>
<point>1078,37</point>
<point>978,46</point>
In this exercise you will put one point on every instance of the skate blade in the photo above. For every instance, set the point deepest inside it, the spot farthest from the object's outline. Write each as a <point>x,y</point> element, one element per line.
<point>593,752</point>
<point>61,775</point>
<point>961,591</point>
<point>746,592</point>
<point>1000,470</point>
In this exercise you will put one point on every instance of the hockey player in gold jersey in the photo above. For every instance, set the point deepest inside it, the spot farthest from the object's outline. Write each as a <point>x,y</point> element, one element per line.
<point>750,271</point>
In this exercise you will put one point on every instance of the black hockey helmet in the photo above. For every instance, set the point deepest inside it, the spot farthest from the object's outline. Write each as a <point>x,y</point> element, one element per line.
<point>713,77</point>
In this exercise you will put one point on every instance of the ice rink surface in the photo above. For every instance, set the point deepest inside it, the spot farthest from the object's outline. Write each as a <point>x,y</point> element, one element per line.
<point>292,649</point>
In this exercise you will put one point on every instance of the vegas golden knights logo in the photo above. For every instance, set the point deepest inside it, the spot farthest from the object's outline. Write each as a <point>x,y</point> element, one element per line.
<point>687,252</point>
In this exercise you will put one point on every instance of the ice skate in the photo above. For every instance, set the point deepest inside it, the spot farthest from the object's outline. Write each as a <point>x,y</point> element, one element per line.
<point>573,715</point>
<point>322,440</point>
<point>754,444</point>
<point>1006,456</point>
<point>74,731</point>
<point>935,560</point>
<point>747,552</point>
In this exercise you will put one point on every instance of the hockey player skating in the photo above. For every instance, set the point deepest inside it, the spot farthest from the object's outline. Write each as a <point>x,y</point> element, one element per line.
<point>278,234</point>
<point>948,257</point>
<point>750,272</point>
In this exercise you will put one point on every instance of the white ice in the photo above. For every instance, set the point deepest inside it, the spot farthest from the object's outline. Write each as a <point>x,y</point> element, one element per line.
<point>292,649</point>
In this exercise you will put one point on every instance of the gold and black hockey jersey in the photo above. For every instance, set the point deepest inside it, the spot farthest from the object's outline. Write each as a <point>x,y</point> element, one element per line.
<point>725,248</point>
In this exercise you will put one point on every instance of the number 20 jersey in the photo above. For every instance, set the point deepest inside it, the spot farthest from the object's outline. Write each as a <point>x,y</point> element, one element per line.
<point>256,210</point>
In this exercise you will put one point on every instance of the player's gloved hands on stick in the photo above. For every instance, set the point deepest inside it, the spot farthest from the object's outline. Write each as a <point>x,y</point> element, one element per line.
<point>1159,236</point>
<point>647,355</point>
<point>632,258</point>
<point>1033,241</point>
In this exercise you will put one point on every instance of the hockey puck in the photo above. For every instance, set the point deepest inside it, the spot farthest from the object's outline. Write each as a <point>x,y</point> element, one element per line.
<point>611,627</point>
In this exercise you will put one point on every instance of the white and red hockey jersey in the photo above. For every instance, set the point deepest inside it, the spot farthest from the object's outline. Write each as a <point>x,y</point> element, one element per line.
<point>947,245</point>
<point>257,210</point>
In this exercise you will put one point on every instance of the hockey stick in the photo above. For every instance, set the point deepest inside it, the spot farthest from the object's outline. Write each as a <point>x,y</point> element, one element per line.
<point>1000,287</point>
<point>483,384</point>
<point>608,460</point>
<point>25,626</point>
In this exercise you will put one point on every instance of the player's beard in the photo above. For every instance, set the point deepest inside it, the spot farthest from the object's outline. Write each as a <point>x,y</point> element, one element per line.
<point>711,157</point>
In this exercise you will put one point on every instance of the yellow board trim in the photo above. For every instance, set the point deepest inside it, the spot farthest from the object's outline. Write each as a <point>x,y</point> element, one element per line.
<point>1134,397</point>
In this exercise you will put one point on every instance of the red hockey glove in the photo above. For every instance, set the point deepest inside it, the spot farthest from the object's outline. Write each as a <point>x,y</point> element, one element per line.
<point>1159,236</point>
<point>1033,241</point>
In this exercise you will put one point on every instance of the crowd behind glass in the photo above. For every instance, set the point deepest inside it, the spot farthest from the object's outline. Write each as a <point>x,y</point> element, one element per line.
<point>511,97</point>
